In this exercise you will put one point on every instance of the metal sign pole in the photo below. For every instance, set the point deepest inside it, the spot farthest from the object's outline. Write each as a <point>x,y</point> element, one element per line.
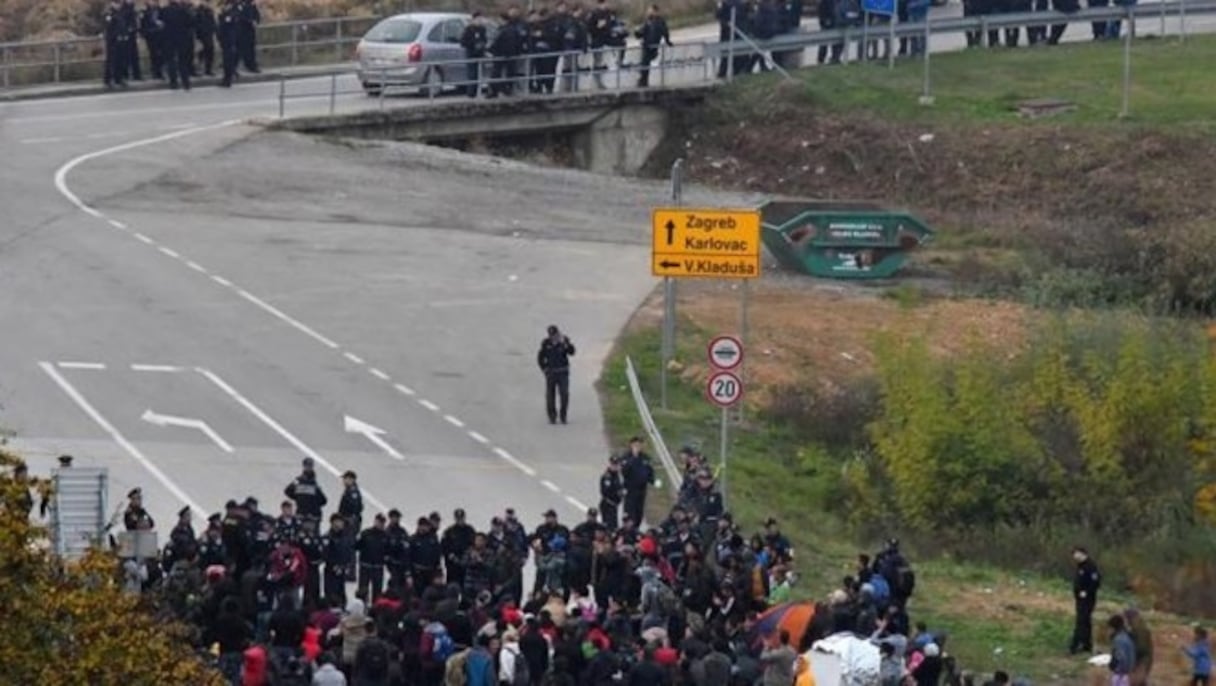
<point>722,453</point>
<point>1127,66</point>
<point>891,40</point>
<point>669,292</point>
<point>743,326</point>
<point>926,96</point>
<point>864,53</point>
<point>730,49</point>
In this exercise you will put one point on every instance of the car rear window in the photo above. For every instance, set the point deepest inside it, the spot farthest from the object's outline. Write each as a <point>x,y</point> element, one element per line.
<point>394,31</point>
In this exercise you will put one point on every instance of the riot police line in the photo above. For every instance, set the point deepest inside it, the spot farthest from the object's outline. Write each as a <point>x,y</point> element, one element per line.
<point>174,35</point>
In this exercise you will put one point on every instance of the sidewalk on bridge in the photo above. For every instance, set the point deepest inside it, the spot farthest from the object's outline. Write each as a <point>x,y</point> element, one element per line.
<point>78,88</point>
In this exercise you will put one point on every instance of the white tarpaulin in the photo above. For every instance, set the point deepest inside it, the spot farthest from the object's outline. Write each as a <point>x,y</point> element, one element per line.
<point>844,660</point>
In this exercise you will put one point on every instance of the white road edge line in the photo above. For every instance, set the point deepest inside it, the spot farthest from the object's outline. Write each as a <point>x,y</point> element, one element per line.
<point>514,462</point>
<point>428,405</point>
<point>378,374</point>
<point>402,388</point>
<point>154,368</point>
<point>196,266</point>
<point>34,141</point>
<point>221,281</point>
<point>170,252</point>
<point>117,224</point>
<point>353,357</point>
<point>144,239</point>
<point>121,440</point>
<point>278,428</point>
<point>298,325</point>
<point>61,174</point>
<point>550,485</point>
<point>578,505</point>
<point>453,421</point>
<point>478,437</point>
<point>81,365</point>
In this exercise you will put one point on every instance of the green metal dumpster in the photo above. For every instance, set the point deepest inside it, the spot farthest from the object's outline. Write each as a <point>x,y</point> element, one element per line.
<point>840,240</point>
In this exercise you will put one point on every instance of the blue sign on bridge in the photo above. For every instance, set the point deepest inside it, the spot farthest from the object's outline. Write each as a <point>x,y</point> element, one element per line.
<point>886,7</point>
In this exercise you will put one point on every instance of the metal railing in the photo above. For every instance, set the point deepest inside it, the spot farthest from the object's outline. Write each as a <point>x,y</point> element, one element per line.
<point>280,44</point>
<point>674,474</point>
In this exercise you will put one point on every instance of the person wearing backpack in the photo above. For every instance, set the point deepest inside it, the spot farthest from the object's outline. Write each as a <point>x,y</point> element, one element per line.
<point>513,668</point>
<point>371,661</point>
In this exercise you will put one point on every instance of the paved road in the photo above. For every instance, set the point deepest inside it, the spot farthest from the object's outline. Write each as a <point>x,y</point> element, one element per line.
<point>277,308</point>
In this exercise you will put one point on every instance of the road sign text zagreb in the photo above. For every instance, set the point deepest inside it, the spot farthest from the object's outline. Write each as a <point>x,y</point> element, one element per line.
<point>719,243</point>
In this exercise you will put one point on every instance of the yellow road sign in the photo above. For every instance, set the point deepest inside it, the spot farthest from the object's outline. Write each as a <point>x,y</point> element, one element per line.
<point>722,243</point>
<point>711,266</point>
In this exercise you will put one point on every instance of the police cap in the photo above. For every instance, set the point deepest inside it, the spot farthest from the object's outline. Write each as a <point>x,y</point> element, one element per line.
<point>135,493</point>
<point>184,511</point>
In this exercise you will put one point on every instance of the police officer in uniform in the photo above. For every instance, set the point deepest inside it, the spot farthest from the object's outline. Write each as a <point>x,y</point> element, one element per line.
<point>177,43</point>
<point>287,526</point>
<point>397,552</point>
<point>426,554</point>
<point>232,533</point>
<point>554,360</point>
<point>637,474</point>
<point>131,23</point>
<point>204,31</point>
<point>509,43</point>
<point>211,551</point>
<point>248,18</point>
<point>456,541</point>
<point>1085,586</point>
<point>653,35</point>
<point>475,40</point>
<point>351,505</point>
<point>226,32</point>
<point>339,556</point>
<point>612,490</point>
<point>152,28</point>
<point>309,541</point>
<point>259,530</point>
<point>135,517</point>
<point>181,540</point>
<point>372,547</point>
<point>306,493</point>
<point>115,33</point>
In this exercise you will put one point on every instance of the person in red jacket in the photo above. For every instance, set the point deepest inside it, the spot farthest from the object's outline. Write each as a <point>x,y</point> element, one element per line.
<point>288,570</point>
<point>254,671</point>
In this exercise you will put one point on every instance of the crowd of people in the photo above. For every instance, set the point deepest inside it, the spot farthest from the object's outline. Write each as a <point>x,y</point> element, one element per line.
<point>174,34</point>
<point>611,600</point>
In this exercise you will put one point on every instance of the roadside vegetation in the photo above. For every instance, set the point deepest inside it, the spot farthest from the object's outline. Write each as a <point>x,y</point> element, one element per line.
<point>1042,376</point>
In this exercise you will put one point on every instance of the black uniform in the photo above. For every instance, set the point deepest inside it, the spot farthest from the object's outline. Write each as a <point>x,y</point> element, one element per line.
<point>311,543</point>
<point>554,360</point>
<point>232,533</point>
<point>136,517</point>
<point>572,40</point>
<point>339,555</point>
<point>638,474</point>
<point>131,23</point>
<point>611,489</point>
<point>425,557</point>
<point>211,552</point>
<point>475,42</point>
<point>181,546</point>
<point>372,548</point>
<point>177,42</point>
<point>653,34</point>
<point>543,42</point>
<point>204,31</point>
<point>604,30</point>
<point>306,494</point>
<point>457,540</point>
<point>115,33</point>
<point>397,555</point>
<point>738,10</point>
<point>508,45</point>
<point>1085,587</point>
<point>226,32</point>
<point>1067,7</point>
<point>351,509</point>
<point>248,18</point>
<point>151,27</point>
<point>828,20</point>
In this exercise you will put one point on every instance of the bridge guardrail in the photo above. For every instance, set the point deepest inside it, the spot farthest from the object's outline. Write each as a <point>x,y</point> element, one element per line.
<point>280,44</point>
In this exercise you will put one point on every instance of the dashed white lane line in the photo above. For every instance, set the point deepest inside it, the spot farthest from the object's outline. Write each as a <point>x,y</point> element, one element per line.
<point>36,141</point>
<point>82,365</point>
<point>118,438</point>
<point>576,503</point>
<point>514,462</point>
<point>155,368</point>
<point>61,186</point>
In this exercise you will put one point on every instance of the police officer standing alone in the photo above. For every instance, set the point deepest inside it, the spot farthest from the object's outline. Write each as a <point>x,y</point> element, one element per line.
<point>1085,587</point>
<point>226,32</point>
<point>204,30</point>
<point>177,42</point>
<point>554,360</point>
<point>474,40</point>
<point>612,490</point>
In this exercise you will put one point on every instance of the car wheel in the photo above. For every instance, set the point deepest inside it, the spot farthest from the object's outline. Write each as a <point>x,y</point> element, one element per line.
<point>434,83</point>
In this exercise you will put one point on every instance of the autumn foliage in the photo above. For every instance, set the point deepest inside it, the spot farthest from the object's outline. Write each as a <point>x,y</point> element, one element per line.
<point>71,624</point>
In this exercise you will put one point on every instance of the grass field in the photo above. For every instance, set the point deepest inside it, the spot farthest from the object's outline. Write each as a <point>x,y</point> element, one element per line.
<point>1172,84</point>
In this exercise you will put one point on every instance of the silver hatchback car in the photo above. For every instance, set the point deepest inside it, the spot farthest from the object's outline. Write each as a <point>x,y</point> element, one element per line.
<point>419,49</point>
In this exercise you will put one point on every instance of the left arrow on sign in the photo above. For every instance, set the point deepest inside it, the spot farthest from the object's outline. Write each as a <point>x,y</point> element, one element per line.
<point>373,434</point>
<point>199,425</point>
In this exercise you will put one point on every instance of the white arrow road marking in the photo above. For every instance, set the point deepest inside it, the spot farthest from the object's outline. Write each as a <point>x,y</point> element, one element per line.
<point>169,420</point>
<point>373,434</point>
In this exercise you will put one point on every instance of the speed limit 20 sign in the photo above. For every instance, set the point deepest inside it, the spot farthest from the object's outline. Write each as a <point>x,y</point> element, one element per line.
<point>724,389</point>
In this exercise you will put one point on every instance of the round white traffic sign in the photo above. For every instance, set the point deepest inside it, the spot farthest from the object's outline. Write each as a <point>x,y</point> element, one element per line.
<point>725,352</point>
<point>724,389</point>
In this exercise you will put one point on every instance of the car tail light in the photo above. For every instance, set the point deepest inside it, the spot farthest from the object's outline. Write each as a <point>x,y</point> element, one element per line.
<point>415,52</point>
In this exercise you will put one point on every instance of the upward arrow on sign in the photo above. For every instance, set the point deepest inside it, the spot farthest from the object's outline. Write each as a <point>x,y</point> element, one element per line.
<point>671,231</point>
